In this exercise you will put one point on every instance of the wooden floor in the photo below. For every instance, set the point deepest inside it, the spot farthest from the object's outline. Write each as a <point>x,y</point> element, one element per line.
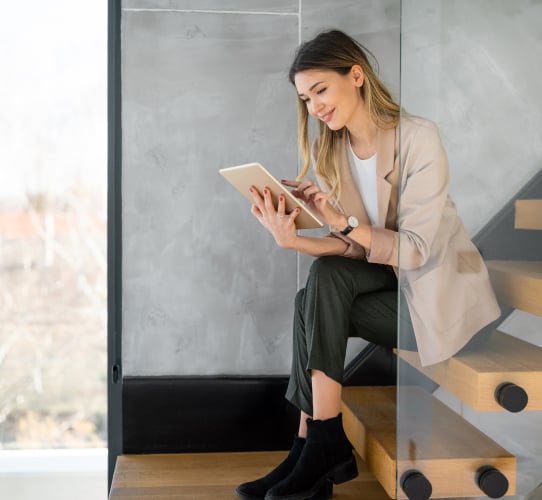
<point>213,476</point>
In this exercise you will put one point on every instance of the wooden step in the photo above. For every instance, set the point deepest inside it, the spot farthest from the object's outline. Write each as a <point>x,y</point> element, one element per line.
<point>528,214</point>
<point>518,284</point>
<point>432,439</point>
<point>485,364</point>
<point>213,476</point>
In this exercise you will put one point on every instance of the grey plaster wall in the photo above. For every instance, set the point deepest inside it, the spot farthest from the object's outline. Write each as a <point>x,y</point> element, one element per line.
<point>205,289</point>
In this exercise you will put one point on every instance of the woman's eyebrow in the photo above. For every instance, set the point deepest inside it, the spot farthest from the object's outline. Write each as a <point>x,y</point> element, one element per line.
<point>311,87</point>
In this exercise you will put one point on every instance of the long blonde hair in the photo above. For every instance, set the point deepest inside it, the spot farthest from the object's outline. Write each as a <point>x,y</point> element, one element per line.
<point>335,50</point>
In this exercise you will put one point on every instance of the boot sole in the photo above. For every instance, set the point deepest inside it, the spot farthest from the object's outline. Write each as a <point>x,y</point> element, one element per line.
<point>339,474</point>
<point>244,496</point>
<point>345,472</point>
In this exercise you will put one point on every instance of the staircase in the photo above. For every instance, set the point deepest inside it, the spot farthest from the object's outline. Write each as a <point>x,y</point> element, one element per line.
<point>415,445</point>
<point>409,445</point>
<point>528,214</point>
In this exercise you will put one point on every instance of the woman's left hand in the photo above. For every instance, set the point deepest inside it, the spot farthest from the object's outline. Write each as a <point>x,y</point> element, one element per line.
<point>275,219</point>
<point>315,198</point>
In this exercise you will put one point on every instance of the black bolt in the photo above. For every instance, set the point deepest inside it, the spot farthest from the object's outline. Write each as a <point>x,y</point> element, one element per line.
<point>512,397</point>
<point>492,482</point>
<point>416,486</point>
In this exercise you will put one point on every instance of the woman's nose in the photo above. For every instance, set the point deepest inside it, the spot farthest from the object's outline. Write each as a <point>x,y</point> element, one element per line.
<point>316,106</point>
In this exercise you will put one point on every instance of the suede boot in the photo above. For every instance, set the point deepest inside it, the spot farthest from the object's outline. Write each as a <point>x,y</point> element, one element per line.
<point>256,490</point>
<point>327,455</point>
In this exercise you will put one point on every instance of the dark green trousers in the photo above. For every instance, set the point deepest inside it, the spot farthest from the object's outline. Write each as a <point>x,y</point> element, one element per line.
<point>342,298</point>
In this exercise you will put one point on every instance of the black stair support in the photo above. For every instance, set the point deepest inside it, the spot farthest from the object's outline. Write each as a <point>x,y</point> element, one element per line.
<point>374,365</point>
<point>492,482</point>
<point>416,486</point>
<point>511,397</point>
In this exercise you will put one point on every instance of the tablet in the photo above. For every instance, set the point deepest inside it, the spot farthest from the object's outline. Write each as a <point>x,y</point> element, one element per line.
<point>253,174</point>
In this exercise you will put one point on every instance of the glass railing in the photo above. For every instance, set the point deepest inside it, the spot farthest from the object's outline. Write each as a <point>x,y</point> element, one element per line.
<point>469,402</point>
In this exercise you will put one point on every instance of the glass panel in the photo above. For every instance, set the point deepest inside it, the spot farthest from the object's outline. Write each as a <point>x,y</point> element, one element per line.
<point>180,127</point>
<point>188,271</point>
<point>468,400</point>
<point>52,225</point>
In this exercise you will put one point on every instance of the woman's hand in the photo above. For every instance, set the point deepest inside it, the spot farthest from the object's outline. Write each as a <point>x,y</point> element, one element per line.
<point>318,201</point>
<point>276,220</point>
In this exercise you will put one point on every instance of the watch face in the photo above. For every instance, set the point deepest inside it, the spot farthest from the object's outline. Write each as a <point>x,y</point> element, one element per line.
<point>353,221</point>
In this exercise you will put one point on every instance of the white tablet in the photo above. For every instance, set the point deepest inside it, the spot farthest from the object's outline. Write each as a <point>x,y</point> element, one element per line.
<point>253,174</point>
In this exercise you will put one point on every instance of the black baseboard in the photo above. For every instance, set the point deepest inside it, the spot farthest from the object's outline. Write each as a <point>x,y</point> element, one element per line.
<point>225,414</point>
<point>206,414</point>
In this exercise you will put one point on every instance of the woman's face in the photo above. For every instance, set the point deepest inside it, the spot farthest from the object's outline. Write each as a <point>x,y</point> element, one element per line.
<point>331,97</point>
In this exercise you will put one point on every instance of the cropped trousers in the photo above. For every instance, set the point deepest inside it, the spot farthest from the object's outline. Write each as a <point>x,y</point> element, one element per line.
<point>342,298</point>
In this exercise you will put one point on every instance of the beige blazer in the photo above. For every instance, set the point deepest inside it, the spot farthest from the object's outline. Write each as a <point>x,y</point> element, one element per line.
<point>441,273</point>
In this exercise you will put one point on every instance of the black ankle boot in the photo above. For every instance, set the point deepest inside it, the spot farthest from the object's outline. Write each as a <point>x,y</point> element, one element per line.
<point>256,490</point>
<point>327,455</point>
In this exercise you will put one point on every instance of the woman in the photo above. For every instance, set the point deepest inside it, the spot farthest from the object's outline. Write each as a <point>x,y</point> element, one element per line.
<point>352,285</point>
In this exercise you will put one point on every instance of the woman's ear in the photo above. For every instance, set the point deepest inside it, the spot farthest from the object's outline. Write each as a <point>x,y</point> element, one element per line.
<point>357,74</point>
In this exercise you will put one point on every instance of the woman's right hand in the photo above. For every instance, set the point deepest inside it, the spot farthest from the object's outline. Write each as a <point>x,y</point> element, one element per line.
<point>274,218</point>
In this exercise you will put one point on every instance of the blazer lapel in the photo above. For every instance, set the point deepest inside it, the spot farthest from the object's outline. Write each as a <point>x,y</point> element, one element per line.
<point>386,184</point>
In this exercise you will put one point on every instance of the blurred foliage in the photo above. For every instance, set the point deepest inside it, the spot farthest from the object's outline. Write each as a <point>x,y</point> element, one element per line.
<point>53,352</point>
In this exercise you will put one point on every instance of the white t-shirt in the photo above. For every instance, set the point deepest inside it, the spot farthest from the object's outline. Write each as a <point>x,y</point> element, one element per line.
<point>364,173</point>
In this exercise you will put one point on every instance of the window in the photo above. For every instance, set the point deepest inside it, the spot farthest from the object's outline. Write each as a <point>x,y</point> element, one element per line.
<point>53,225</point>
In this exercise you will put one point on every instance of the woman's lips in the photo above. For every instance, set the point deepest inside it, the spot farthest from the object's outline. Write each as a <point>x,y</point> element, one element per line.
<point>327,117</point>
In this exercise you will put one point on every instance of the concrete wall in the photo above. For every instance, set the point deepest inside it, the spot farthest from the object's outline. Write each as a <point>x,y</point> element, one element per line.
<point>205,290</point>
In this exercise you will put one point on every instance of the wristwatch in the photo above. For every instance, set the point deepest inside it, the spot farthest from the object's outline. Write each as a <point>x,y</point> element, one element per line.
<point>352,223</point>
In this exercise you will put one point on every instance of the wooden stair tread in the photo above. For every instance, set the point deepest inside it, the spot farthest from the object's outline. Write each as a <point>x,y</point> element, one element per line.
<point>528,214</point>
<point>518,284</point>
<point>213,476</point>
<point>432,439</point>
<point>489,361</point>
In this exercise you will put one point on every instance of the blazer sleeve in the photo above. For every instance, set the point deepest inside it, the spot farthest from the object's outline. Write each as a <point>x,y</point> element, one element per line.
<point>353,249</point>
<point>423,195</point>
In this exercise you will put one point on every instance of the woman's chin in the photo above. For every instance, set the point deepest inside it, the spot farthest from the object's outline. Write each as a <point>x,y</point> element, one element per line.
<point>334,126</point>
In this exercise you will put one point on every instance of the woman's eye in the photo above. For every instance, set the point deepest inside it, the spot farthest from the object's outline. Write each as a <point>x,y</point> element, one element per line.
<point>306,101</point>
<point>322,90</point>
